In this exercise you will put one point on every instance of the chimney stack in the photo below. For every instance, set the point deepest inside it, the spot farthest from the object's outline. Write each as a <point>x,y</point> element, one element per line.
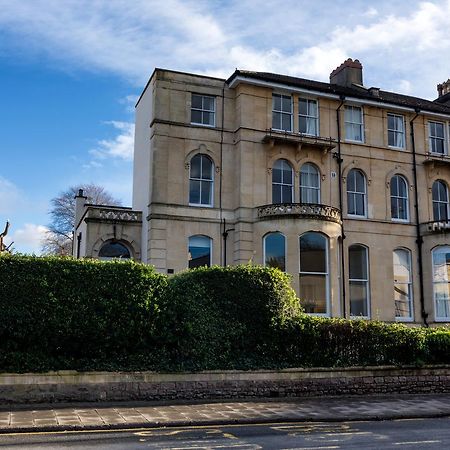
<point>80,200</point>
<point>348,73</point>
<point>443,88</point>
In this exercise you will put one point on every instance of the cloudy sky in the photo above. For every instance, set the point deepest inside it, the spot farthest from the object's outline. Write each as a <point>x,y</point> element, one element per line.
<point>71,70</point>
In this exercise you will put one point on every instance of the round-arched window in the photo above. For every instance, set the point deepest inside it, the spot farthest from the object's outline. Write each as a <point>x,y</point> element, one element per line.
<point>114,250</point>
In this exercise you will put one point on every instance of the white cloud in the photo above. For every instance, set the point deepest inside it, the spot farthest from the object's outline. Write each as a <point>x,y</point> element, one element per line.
<point>27,239</point>
<point>131,38</point>
<point>121,146</point>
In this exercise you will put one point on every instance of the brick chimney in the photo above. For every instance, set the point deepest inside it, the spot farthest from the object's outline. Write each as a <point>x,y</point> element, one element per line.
<point>347,74</point>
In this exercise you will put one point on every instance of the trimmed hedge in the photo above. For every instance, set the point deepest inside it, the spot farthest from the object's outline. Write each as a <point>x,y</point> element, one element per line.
<point>224,318</point>
<point>92,315</point>
<point>75,314</point>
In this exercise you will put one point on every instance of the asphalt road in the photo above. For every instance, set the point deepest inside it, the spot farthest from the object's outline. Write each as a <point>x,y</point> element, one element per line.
<point>415,434</point>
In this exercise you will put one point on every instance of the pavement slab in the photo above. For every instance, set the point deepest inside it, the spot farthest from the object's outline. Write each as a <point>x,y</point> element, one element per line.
<point>148,414</point>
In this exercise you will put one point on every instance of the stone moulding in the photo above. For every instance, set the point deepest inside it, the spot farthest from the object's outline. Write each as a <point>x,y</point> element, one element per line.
<point>300,210</point>
<point>74,386</point>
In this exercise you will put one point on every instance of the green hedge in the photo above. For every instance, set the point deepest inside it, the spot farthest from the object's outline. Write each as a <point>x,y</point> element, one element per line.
<point>64,313</point>
<point>92,315</point>
<point>223,318</point>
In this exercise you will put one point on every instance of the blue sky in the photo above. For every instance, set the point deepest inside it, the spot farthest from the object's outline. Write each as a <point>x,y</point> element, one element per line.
<point>71,70</point>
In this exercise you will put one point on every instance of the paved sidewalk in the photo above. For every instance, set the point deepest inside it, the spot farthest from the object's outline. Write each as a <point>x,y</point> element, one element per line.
<point>139,415</point>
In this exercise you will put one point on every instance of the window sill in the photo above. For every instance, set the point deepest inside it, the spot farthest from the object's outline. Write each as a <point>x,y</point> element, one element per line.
<point>200,205</point>
<point>404,319</point>
<point>404,221</point>
<point>203,125</point>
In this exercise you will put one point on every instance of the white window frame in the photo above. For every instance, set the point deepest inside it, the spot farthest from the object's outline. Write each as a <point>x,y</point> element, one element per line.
<point>281,112</point>
<point>203,110</point>
<point>326,274</point>
<point>201,180</point>
<point>397,132</point>
<point>264,248</point>
<point>440,202</point>
<point>398,199</point>
<point>210,241</point>
<point>348,123</point>
<point>434,138</point>
<point>355,193</point>
<point>360,280</point>
<point>282,183</point>
<point>439,249</point>
<point>409,284</point>
<point>310,189</point>
<point>308,117</point>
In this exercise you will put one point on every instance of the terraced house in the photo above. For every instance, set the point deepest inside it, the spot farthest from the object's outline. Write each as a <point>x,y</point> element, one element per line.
<point>345,187</point>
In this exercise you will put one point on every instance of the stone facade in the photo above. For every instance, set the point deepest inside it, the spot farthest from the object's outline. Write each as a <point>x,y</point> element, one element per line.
<point>67,386</point>
<point>266,168</point>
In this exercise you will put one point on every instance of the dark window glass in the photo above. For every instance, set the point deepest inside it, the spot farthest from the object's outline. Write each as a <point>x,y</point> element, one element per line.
<point>313,253</point>
<point>113,249</point>
<point>199,251</point>
<point>274,251</point>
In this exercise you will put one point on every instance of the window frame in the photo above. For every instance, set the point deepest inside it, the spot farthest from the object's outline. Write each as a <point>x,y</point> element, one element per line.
<point>210,241</point>
<point>281,160</point>
<point>409,283</point>
<point>399,198</point>
<point>360,124</point>
<point>440,202</point>
<point>203,110</point>
<point>307,117</point>
<point>201,180</point>
<point>360,280</point>
<point>433,138</point>
<point>325,274</point>
<point>310,188</point>
<point>264,248</point>
<point>354,193</point>
<point>281,112</point>
<point>396,132</point>
<point>444,249</point>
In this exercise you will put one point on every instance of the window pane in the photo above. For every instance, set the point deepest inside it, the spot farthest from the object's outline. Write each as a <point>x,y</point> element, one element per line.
<point>360,206</point>
<point>276,193</point>
<point>206,197</point>
<point>351,203</point>
<point>276,102</point>
<point>441,265</point>
<point>287,174</point>
<point>286,194</point>
<point>276,120</point>
<point>207,168</point>
<point>313,293</point>
<point>199,251</point>
<point>287,104</point>
<point>196,101</point>
<point>196,116</point>
<point>302,127</point>
<point>208,103</point>
<point>275,251</point>
<point>208,118</point>
<point>286,125</point>
<point>302,107</point>
<point>194,191</point>
<point>358,299</point>
<point>402,297</point>
<point>313,253</point>
<point>357,262</point>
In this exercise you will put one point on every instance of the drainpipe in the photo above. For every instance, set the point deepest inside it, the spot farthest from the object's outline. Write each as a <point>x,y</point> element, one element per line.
<point>340,161</point>
<point>419,237</point>
<point>225,237</point>
<point>222,249</point>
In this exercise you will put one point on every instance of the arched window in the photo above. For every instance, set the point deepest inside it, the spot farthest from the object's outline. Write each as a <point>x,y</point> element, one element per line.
<point>441,282</point>
<point>275,251</point>
<point>358,280</point>
<point>402,284</point>
<point>440,201</point>
<point>309,184</point>
<point>282,182</point>
<point>199,251</point>
<point>201,181</point>
<point>399,198</point>
<point>113,250</point>
<point>313,276</point>
<point>356,193</point>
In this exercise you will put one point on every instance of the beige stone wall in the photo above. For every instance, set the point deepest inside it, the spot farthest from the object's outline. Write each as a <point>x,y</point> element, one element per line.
<point>244,162</point>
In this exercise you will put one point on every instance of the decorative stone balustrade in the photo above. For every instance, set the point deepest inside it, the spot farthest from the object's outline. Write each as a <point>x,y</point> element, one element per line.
<point>303,210</point>
<point>440,226</point>
<point>114,214</point>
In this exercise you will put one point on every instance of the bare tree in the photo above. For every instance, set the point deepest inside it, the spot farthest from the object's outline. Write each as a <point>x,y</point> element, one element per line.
<point>59,238</point>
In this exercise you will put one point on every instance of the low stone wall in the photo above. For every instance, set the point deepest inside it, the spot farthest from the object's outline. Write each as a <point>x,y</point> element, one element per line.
<point>65,386</point>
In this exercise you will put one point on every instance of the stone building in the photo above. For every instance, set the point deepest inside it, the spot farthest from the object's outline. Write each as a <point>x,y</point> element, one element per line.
<point>344,187</point>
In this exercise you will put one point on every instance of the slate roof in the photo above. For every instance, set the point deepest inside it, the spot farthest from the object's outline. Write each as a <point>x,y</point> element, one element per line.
<point>354,91</point>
